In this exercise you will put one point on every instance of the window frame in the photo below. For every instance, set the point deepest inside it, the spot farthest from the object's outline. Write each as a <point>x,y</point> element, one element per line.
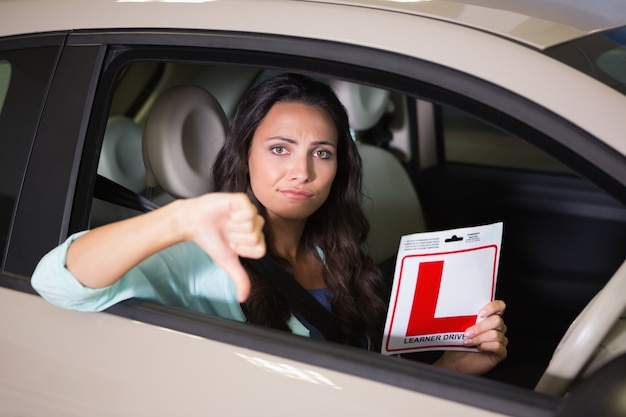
<point>22,105</point>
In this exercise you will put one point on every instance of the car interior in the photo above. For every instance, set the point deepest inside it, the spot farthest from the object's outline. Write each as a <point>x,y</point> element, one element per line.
<point>427,166</point>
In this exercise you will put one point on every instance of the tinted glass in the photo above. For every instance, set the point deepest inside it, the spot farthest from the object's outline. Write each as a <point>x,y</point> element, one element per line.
<point>5,78</point>
<point>24,77</point>
<point>471,141</point>
<point>601,56</point>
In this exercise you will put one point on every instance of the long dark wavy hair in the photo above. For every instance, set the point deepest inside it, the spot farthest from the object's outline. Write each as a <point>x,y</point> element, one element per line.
<point>339,227</point>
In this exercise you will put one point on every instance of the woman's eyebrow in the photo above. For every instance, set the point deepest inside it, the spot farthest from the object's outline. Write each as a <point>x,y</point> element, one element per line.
<point>282,138</point>
<point>316,143</point>
<point>325,143</point>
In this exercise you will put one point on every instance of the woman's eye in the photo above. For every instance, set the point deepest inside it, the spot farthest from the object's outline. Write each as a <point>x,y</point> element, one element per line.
<point>278,150</point>
<point>323,154</point>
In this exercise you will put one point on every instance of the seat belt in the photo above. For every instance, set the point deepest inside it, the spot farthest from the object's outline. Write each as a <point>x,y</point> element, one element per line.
<point>298,299</point>
<point>115,193</point>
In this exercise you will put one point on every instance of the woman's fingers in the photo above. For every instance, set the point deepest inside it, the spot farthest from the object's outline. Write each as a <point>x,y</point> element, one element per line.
<point>229,226</point>
<point>236,272</point>
<point>489,334</point>
<point>244,233</point>
<point>494,307</point>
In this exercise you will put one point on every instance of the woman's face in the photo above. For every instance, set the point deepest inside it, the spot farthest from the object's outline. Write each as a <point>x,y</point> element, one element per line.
<point>293,160</point>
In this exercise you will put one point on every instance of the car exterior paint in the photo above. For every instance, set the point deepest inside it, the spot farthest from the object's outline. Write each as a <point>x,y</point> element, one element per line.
<point>199,372</point>
<point>62,380</point>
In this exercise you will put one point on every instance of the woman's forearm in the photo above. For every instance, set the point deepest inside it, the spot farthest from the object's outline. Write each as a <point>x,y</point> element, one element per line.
<point>102,256</point>
<point>224,225</point>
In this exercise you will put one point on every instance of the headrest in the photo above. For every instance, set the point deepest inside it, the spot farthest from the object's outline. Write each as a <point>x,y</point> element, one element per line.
<point>120,158</point>
<point>391,204</point>
<point>184,131</point>
<point>365,105</point>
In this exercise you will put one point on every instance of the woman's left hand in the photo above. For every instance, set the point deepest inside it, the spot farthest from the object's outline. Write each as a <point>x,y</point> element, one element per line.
<point>488,336</point>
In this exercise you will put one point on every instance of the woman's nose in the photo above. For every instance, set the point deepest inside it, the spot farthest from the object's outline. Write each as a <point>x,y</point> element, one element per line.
<point>302,169</point>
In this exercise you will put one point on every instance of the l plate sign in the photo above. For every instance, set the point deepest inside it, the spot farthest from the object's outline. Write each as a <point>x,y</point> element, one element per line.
<point>441,281</point>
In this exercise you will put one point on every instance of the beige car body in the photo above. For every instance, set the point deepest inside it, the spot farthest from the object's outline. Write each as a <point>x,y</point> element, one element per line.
<point>66,363</point>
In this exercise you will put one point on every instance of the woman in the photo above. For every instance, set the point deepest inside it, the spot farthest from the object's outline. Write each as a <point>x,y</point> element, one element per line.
<point>289,177</point>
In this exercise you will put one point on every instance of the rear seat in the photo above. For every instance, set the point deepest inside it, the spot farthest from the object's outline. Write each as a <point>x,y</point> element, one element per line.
<point>120,161</point>
<point>173,155</point>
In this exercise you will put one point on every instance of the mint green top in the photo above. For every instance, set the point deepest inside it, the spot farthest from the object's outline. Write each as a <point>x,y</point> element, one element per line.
<point>182,275</point>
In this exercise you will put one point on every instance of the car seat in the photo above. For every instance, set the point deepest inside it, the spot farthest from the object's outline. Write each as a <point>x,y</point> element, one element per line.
<point>121,162</point>
<point>390,202</point>
<point>184,131</point>
<point>118,158</point>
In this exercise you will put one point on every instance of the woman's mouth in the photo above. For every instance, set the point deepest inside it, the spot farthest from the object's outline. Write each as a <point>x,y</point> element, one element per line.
<point>297,194</point>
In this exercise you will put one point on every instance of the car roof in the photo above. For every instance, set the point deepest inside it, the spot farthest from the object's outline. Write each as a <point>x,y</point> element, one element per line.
<point>540,23</point>
<point>537,23</point>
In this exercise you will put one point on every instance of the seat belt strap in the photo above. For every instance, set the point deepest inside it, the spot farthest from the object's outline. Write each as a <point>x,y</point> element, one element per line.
<point>300,301</point>
<point>115,193</point>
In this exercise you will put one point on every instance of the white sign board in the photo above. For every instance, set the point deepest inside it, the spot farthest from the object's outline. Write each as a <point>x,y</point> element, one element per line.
<point>441,281</point>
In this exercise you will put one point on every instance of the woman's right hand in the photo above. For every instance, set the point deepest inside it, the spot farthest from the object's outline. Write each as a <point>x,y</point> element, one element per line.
<point>226,226</point>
